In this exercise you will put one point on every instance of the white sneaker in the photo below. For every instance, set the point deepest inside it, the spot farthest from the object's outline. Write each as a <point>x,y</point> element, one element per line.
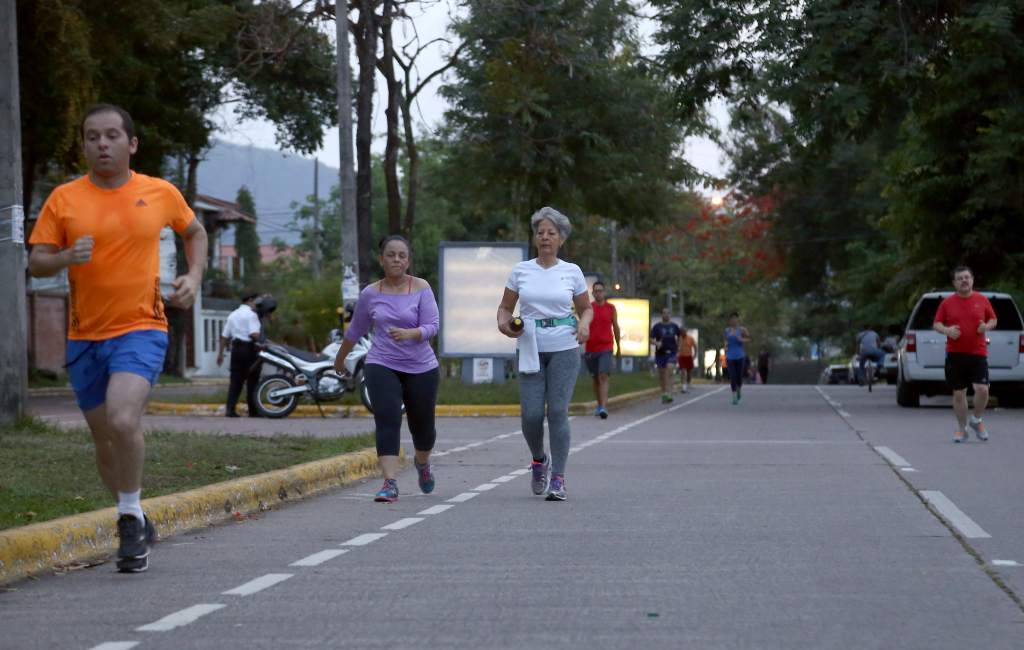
<point>978,427</point>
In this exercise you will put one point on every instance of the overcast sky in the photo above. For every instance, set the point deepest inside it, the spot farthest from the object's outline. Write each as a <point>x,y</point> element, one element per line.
<point>432,22</point>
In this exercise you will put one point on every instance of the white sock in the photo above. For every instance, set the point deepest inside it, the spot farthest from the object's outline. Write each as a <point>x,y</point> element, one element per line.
<point>129,503</point>
<point>975,419</point>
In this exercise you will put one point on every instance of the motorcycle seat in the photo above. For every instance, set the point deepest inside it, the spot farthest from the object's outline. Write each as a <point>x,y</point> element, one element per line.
<point>305,355</point>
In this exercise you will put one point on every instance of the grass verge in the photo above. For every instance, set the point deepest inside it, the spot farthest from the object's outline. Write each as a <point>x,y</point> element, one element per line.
<point>48,472</point>
<point>453,391</point>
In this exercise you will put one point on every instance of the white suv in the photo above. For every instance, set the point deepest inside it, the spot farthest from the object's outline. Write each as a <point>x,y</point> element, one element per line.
<point>922,353</point>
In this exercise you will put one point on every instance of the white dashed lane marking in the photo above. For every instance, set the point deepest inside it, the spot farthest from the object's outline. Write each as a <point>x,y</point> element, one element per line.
<point>402,523</point>
<point>115,645</point>
<point>258,584</point>
<point>435,510</point>
<point>955,516</point>
<point>465,496</point>
<point>485,487</point>
<point>1005,563</point>
<point>317,559</point>
<point>893,457</point>
<point>364,539</point>
<point>180,618</point>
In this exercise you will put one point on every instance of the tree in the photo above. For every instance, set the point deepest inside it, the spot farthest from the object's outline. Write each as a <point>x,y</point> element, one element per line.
<point>553,105</point>
<point>247,240</point>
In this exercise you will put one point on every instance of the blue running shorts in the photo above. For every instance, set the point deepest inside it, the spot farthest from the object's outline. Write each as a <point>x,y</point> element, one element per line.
<point>90,363</point>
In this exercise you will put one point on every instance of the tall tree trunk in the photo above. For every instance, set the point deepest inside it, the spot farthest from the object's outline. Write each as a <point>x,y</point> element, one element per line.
<point>412,180</point>
<point>366,51</point>
<point>387,67</point>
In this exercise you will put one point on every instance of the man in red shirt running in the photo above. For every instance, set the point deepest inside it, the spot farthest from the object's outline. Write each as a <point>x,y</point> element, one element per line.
<point>603,329</point>
<point>965,317</point>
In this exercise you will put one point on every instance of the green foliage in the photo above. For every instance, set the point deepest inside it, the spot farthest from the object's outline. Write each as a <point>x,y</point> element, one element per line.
<point>247,240</point>
<point>553,105</point>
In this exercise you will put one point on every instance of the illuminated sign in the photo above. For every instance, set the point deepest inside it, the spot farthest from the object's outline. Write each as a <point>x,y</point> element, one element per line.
<point>634,325</point>
<point>473,277</point>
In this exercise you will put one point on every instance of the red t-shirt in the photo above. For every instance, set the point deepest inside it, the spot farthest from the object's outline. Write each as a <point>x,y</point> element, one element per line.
<point>967,313</point>
<point>601,335</point>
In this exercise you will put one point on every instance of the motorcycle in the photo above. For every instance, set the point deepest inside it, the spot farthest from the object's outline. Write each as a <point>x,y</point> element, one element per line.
<point>310,374</point>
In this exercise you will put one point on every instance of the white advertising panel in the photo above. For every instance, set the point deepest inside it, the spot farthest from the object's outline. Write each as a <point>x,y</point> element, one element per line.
<point>473,277</point>
<point>634,325</point>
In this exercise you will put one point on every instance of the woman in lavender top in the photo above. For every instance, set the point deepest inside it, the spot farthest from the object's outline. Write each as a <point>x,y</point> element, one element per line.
<point>401,366</point>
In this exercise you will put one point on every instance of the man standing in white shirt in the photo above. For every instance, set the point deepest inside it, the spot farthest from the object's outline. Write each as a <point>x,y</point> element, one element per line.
<point>242,332</point>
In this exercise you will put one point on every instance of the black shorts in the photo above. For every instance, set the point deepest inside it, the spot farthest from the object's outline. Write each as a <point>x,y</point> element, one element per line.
<point>963,369</point>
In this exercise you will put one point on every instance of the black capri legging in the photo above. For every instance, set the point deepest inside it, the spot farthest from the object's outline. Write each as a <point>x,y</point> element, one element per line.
<point>735,369</point>
<point>389,389</point>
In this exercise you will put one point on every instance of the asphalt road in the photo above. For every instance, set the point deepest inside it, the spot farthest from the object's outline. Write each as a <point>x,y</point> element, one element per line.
<point>790,521</point>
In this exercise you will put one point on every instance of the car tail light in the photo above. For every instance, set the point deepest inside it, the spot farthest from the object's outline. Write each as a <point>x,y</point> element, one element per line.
<point>1021,348</point>
<point>912,342</point>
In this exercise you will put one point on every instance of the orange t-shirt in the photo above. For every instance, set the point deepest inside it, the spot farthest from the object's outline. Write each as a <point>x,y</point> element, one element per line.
<point>686,346</point>
<point>118,290</point>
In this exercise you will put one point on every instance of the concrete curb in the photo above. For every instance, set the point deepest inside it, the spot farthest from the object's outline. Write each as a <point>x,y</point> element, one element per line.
<point>443,410</point>
<point>43,546</point>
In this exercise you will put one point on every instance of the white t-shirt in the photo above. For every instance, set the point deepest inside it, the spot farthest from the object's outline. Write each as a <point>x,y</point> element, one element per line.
<point>548,293</point>
<point>241,324</point>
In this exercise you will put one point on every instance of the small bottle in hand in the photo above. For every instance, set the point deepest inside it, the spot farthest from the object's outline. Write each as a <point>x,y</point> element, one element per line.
<point>516,324</point>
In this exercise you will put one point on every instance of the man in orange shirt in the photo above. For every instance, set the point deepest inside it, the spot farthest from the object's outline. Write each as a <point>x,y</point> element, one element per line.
<point>965,318</point>
<point>687,350</point>
<point>105,229</point>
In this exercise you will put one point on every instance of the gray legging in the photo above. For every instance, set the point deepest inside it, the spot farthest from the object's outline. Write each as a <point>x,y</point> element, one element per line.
<point>553,385</point>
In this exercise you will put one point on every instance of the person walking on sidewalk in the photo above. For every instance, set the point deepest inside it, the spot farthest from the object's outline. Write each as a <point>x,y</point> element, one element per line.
<point>400,367</point>
<point>242,332</point>
<point>547,289</point>
<point>965,318</point>
<point>604,338</point>
<point>104,228</point>
<point>736,338</point>
<point>764,364</point>
<point>687,352</point>
<point>666,346</point>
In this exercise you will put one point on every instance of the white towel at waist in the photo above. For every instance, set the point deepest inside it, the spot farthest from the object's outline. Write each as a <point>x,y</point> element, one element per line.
<point>529,358</point>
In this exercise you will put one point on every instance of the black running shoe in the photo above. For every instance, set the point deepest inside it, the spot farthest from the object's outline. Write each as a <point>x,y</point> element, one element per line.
<point>133,551</point>
<point>151,536</point>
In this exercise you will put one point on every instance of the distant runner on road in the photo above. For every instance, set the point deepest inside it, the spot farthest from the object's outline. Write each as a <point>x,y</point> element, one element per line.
<point>401,367</point>
<point>604,338</point>
<point>105,229</point>
<point>687,352</point>
<point>547,289</point>
<point>965,317</point>
<point>736,336</point>
<point>665,335</point>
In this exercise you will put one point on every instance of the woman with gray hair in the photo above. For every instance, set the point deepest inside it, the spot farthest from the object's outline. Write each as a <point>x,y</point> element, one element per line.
<point>547,289</point>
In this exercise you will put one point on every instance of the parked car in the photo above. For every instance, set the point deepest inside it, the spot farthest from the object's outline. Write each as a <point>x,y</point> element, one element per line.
<point>922,353</point>
<point>836,373</point>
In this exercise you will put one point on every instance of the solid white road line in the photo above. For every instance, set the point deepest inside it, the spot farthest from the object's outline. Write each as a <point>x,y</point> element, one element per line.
<point>364,539</point>
<point>520,472</point>
<point>843,413</point>
<point>465,496</point>
<point>116,645</point>
<point>259,584</point>
<point>967,527</point>
<point>180,618</point>
<point>317,559</point>
<point>402,523</point>
<point>485,487</point>
<point>435,510</point>
<point>466,447</point>
<point>892,457</point>
<point>1004,563</point>
<point>504,479</point>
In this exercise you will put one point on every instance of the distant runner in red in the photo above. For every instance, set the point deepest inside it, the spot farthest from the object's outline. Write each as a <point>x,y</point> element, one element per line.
<point>965,318</point>
<point>604,338</point>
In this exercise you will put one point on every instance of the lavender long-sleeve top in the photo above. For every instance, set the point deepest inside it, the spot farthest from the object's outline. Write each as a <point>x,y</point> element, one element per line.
<point>382,311</point>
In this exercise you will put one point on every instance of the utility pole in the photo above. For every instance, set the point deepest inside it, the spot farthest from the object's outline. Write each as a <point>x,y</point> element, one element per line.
<point>349,229</point>
<point>13,348</point>
<point>316,218</point>
<point>615,255</point>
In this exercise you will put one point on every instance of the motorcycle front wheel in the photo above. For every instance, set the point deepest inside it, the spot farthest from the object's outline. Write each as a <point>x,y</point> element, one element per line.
<point>276,407</point>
